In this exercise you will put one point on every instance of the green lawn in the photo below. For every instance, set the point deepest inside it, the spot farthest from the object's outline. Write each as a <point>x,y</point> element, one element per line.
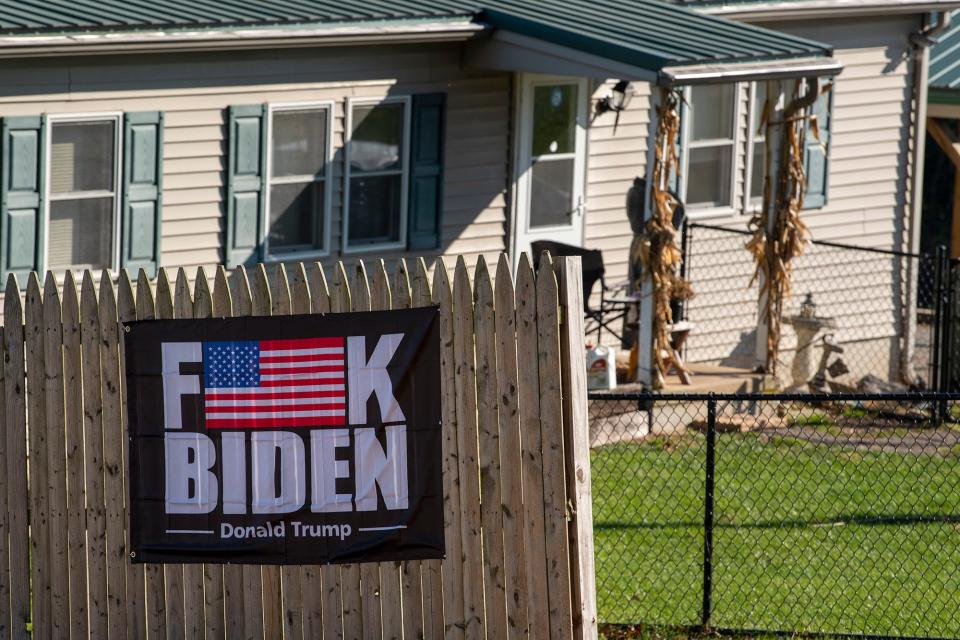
<point>809,537</point>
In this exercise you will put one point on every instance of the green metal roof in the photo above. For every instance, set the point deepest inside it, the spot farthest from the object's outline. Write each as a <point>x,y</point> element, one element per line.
<point>651,34</point>
<point>945,64</point>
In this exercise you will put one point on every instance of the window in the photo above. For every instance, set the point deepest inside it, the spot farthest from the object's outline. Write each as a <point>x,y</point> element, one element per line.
<point>298,180</point>
<point>83,206</point>
<point>377,174</point>
<point>758,137</point>
<point>711,146</point>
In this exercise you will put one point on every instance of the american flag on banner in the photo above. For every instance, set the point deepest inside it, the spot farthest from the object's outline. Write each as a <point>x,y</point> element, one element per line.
<point>274,383</point>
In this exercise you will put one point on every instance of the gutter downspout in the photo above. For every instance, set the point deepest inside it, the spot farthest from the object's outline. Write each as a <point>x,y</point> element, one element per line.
<point>921,42</point>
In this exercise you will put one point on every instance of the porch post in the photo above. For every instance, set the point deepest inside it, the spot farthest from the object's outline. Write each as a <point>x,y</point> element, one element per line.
<point>646,367</point>
<point>774,145</point>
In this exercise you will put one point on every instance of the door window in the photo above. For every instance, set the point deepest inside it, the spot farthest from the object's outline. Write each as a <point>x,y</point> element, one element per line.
<point>553,155</point>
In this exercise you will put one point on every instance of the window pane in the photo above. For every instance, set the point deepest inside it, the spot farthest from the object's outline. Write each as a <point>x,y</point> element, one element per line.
<point>296,217</point>
<point>759,100</point>
<point>551,196</point>
<point>299,142</point>
<point>554,119</point>
<point>709,181</point>
<point>375,209</point>
<point>79,234</point>
<point>712,107</point>
<point>377,140</point>
<point>759,169</point>
<point>82,157</point>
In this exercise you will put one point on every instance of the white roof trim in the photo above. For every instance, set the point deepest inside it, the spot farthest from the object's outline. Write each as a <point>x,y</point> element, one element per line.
<point>707,74</point>
<point>777,9</point>
<point>259,37</point>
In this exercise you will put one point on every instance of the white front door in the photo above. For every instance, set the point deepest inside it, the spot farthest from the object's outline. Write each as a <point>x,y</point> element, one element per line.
<point>551,161</point>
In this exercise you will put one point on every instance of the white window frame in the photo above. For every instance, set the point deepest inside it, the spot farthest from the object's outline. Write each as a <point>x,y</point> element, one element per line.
<point>327,179</point>
<point>750,203</point>
<point>700,212</point>
<point>404,176</point>
<point>117,194</point>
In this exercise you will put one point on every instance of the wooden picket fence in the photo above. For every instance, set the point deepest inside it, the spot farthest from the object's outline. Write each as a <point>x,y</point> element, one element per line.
<point>516,470</point>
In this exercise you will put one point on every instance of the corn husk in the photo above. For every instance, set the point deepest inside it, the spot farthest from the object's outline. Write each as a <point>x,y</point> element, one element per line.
<point>779,234</point>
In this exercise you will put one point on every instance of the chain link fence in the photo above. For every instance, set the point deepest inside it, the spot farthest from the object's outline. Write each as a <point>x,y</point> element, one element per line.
<point>778,513</point>
<point>860,291</point>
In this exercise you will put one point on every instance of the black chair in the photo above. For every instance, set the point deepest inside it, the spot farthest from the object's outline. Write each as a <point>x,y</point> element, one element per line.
<point>591,262</point>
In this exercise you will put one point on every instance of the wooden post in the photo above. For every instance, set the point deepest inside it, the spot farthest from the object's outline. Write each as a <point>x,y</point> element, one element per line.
<point>646,374</point>
<point>576,432</point>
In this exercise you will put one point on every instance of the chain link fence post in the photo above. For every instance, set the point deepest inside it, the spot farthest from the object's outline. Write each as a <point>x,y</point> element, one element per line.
<point>708,512</point>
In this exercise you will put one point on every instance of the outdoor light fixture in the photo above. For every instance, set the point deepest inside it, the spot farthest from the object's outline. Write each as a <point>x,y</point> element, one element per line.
<point>618,100</point>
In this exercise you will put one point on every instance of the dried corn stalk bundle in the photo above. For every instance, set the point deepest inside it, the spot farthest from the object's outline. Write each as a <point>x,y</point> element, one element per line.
<point>658,250</point>
<point>779,235</point>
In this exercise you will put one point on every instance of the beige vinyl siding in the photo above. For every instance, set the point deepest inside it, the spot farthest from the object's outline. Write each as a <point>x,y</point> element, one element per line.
<point>867,206</point>
<point>615,158</point>
<point>194,91</point>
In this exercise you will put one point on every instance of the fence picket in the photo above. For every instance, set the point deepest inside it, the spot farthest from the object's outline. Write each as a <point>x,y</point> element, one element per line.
<point>370,589</point>
<point>488,419</point>
<point>431,581</point>
<point>532,465</point>
<point>156,622</point>
<point>193,609</point>
<point>73,416</point>
<point>554,469</point>
<point>511,490</point>
<point>213,605</point>
<point>232,573</point>
<point>93,454</point>
<point>172,573</point>
<point>411,585</point>
<point>270,596</point>
<point>576,429</point>
<point>392,612</point>
<point>135,582</point>
<point>39,524</point>
<point>56,459</point>
<point>251,586</point>
<point>465,376</point>
<point>453,605</point>
<point>340,302</point>
<point>113,489</point>
<point>331,601</point>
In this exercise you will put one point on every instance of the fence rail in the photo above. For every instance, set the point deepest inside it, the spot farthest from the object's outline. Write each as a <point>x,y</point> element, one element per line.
<point>516,464</point>
<point>778,513</point>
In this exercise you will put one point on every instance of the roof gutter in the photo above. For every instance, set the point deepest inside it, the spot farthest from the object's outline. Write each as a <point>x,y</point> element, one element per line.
<point>714,74</point>
<point>233,39</point>
<point>798,9</point>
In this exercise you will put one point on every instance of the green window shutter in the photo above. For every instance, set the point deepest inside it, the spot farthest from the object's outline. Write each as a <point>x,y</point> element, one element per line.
<point>427,141</point>
<point>142,191</point>
<point>817,156</point>
<point>21,195</point>
<point>246,184</point>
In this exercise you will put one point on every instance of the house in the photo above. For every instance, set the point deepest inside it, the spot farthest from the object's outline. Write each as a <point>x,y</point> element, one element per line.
<point>178,133</point>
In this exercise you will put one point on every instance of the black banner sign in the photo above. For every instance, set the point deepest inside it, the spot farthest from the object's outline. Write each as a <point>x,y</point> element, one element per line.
<point>286,440</point>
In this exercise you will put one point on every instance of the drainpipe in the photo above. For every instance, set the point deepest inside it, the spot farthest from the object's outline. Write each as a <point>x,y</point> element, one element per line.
<point>920,41</point>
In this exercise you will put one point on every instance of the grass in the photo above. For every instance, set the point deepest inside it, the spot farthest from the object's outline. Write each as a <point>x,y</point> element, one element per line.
<point>807,537</point>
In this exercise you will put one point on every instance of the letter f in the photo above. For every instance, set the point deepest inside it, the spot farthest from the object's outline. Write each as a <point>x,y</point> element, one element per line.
<point>176,384</point>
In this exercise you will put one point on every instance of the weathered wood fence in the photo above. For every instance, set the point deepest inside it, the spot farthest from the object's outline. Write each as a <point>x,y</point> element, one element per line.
<point>516,467</point>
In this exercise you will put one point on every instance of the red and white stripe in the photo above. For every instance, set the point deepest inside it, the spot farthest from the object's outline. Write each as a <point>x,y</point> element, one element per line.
<point>301,385</point>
